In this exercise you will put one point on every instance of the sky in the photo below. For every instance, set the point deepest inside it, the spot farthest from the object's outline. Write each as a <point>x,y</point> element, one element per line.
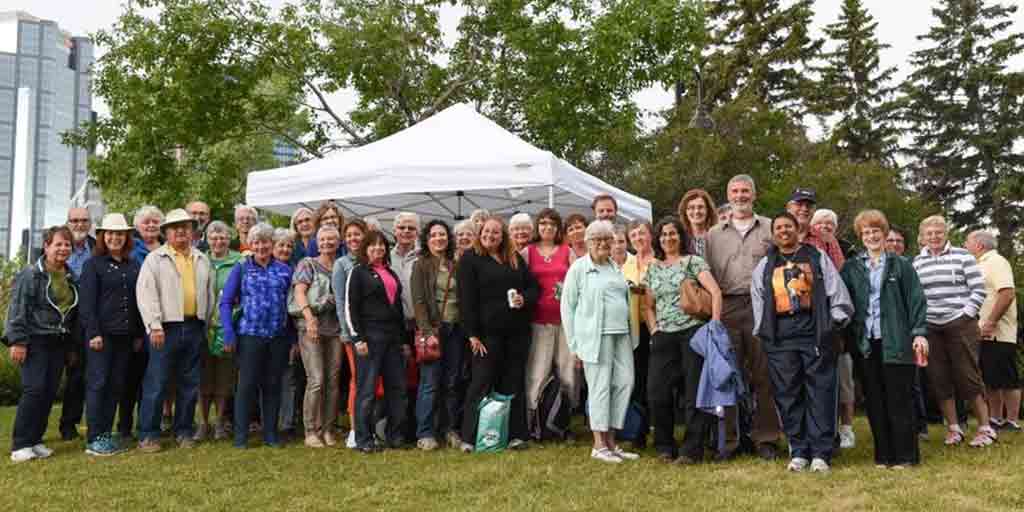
<point>899,24</point>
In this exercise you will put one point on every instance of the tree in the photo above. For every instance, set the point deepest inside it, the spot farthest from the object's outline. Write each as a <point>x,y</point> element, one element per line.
<point>964,109</point>
<point>204,72</point>
<point>760,49</point>
<point>854,88</point>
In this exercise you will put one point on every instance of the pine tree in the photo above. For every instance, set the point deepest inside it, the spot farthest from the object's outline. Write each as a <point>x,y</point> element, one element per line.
<point>759,49</point>
<point>965,110</point>
<point>853,87</point>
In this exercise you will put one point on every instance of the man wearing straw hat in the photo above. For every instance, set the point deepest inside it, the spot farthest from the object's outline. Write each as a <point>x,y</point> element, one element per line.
<point>175,294</point>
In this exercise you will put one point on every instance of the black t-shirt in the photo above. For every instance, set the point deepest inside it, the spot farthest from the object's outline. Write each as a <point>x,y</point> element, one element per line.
<point>793,288</point>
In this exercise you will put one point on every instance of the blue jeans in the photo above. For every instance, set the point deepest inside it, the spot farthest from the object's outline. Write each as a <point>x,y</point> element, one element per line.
<point>442,377</point>
<point>40,376</point>
<point>384,359</point>
<point>178,356</point>
<point>106,370</point>
<point>261,364</point>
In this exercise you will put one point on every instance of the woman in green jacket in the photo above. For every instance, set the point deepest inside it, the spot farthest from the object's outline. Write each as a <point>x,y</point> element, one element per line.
<point>217,382</point>
<point>888,331</point>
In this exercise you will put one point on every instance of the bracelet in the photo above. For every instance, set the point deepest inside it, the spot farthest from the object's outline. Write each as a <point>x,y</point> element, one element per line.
<point>306,307</point>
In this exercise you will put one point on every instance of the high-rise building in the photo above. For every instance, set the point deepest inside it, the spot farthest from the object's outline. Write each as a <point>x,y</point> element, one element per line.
<point>286,153</point>
<point>44,91</point>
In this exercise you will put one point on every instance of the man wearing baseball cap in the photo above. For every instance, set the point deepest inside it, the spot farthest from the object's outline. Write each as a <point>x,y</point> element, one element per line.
<point>801,205</point>
<point>175,294</point>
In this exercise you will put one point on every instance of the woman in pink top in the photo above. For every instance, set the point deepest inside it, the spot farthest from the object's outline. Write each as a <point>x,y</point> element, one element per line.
<point>548,259</point>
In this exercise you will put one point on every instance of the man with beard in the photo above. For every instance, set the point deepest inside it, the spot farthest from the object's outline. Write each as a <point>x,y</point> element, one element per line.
<point>74,386</point>
<point>199,211</point>
<point>734,248</point>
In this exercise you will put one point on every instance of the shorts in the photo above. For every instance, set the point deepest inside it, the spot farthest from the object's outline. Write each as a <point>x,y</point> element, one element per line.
<point>953,368</point>
<point>999,365</point>
<point>844,368</point>
<point>218,376</point>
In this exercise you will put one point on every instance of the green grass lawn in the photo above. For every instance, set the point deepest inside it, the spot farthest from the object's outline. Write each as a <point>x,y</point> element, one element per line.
<point>215,476</point>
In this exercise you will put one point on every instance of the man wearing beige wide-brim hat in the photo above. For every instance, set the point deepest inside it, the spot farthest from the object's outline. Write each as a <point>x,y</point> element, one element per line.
<point>175,293</point>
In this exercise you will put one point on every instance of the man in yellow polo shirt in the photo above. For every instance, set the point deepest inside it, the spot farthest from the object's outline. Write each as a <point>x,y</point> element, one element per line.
<point>175,294</point>
<point>998,323</point>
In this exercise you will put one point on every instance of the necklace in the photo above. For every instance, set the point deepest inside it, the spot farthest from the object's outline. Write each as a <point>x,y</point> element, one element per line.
<point>547,257</point>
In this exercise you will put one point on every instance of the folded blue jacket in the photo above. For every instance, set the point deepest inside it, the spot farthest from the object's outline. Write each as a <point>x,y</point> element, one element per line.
<point>721,382</point>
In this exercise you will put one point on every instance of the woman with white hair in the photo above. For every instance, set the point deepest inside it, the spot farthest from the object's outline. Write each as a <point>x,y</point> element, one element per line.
<point>319,339</point>
<point>465,235</point>
<point>259,285</point>
<point>520,226</point>
<point>304,224</point>
<point>245,218</point>
<point>822,235</point>
<point>147,221</point>
<point>595,315</point>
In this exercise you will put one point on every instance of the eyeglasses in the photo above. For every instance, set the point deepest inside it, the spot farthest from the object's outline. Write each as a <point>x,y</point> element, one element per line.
<point>78,221</point>
<point>602,240</point>
<point>405,228</point>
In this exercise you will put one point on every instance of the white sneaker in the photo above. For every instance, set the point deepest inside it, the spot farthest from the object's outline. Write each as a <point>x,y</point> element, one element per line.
<point>42,451</point>
<point>23,455</point>
<point>605,455</point>
<point>819,466</point>
<point>350,441</point>
<point>624,455</point>
<point>847,439</point>
<point>797,464</point>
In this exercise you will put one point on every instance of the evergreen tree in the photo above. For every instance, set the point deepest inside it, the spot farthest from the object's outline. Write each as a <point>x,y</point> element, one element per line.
<point>761,49</point>
<point>854,88</point>
<point>965,110</point>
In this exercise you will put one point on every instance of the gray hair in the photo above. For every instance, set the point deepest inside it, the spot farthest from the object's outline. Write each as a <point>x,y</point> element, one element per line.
<point>620,229</point>
<point>372,223</point>
<point>599,228</point>
<point>479,214</point>
<point>283,234</point>
<point>745,178</point>
<point>218,226</point>
<point>825,214</point>
<point>244,208</point>
<point>147,211</point>
<point>521,218</point>
<point>302,209</point>
<point>324,229</point>
<point>465,225</point>
<point>984,238</point>
<point>261,231</point>
<point>408,216</point>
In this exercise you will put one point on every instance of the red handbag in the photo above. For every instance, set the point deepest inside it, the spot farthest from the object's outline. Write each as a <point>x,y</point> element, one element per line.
<point>428,348</point>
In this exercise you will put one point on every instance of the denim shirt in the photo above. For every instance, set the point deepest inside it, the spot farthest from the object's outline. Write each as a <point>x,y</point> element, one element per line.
<point>873,322</point>
<point>78,257</point>
<point>262,293</point>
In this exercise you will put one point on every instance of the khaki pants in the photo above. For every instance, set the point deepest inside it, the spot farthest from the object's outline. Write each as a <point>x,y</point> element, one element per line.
<point>549,349</point>
<point>738,317</point>
<point>322,360</point>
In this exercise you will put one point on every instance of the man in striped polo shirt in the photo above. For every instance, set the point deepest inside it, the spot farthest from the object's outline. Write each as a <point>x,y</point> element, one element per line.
<point>955,290</point>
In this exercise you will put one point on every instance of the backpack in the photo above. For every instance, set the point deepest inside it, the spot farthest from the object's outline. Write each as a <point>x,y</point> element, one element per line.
<point>636,426</point>
<point>554,412</point>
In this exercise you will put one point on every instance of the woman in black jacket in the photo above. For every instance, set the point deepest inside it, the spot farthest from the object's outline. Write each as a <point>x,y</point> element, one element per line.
<point>41,331</point>
<point>496,292</point>
<point>373,311</point>
<point>113,328</point>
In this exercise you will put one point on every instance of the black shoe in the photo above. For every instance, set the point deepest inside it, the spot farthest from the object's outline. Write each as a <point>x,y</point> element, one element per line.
<point>725,457</point>
<point>399,444</point>
<point>367,450</point>
<point>666,457</point>
<point>69,434</point>
<point>684,460</point>
<point>767,452</point>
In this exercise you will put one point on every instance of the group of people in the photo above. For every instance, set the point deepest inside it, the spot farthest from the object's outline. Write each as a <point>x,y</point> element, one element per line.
<point>177,311</point>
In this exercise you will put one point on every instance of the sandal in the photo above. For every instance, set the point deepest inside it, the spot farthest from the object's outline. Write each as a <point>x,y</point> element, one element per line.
<point>953,437</point>
<point>985,437</point>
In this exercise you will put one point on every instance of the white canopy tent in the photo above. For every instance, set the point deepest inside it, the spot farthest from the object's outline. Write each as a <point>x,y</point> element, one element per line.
<point>443,167</point>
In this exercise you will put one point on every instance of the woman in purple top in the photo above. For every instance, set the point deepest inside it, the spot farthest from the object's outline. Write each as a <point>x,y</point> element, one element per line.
<point>260,286</point>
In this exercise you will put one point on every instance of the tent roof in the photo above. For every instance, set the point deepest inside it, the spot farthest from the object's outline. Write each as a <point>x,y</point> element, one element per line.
<point>443,167</point>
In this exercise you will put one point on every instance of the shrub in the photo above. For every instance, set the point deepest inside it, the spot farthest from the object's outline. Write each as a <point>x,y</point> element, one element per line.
<point>10,376</point>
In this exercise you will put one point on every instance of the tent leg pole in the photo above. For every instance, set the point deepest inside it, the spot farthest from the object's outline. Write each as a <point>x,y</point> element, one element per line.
<point>551,196</point>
